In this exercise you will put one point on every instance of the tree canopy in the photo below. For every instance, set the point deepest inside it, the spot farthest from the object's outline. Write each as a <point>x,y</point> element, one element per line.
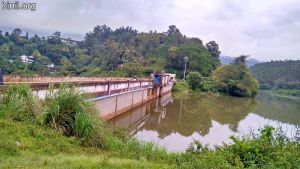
<point>194,80</point>
<point>235,79</point>
<point>104,51</point>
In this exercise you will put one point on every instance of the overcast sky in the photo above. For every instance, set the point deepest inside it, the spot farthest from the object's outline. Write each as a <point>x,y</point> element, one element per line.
<point>263,29</point>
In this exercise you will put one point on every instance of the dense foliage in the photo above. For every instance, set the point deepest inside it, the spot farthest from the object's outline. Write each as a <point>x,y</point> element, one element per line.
<point>104,50</point>
<point>194,80</point>
<point>235,79</point>
<point>278,74</point>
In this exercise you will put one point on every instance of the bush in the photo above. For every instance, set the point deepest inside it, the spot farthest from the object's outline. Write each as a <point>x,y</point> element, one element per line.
<point>69,111</point>
<point>19,103</point>
<point>194,80</point>
<point>235,80</point>
<point>180,85</point>
<point>269,149</point>
<point>207,85</point>
<point>133,69</point>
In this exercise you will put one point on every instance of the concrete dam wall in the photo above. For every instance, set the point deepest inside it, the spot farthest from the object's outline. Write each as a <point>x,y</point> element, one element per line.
<point>116,104</point>
<point>112,97</point>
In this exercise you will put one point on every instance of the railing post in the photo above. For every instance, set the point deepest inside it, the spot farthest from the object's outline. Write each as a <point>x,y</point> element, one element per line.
<point>128,85</point>
<point>116,107</point>
<point>131,100</point>
<point>143,97</point>
<point>108,85</point>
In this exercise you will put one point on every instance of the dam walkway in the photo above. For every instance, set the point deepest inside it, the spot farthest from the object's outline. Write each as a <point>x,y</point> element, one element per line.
<point>112,96</point>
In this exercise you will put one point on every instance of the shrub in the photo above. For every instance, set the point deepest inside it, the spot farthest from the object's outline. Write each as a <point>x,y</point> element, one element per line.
<point>207,85</point>
<point>69,111</point>
<point>194,80</point>
<point>269,149</point>
<point>235,80</point>
<point>19,103</point>
<point>133,69</point>
<point>180,85</point>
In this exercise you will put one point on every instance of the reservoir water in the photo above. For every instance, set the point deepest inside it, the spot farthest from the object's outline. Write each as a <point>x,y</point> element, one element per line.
<point>173,122</point>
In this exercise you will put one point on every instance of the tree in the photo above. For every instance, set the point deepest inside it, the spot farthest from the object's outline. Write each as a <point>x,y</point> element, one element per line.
<point>40,64</point>
<point>235,79</point>
<point>5,65</point>
<point>173,31</point>
<point>213,49</point>
<point>133,69</point>
<point>26,36</point>
<point>17,32</point>
<point>36,54</point>
<point>15,36</point>
<point>174,35</point>
<point>198,57</point>
<point>56,34</point>
<point>194,80</point>
<point>240,61</point>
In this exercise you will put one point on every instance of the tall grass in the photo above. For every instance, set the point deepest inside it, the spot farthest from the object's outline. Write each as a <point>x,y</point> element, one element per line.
<point>18,103</point>
<point>69,111</point>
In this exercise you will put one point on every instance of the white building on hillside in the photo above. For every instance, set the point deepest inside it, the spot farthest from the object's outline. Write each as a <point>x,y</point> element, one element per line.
<point>51,65</point>
<point>27,59</point>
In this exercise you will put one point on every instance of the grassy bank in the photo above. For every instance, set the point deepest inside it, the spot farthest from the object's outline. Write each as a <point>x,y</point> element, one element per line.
<point>182,89</point>
<point>63,132</point>
<point>27,145</point>
<point>71,139</point>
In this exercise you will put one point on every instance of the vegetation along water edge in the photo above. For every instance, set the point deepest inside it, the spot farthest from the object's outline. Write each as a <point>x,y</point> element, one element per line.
<point>63,132</point>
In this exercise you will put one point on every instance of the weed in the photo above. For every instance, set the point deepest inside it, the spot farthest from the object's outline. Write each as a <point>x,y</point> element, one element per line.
<point>18,103</point>
<point>69,111</point>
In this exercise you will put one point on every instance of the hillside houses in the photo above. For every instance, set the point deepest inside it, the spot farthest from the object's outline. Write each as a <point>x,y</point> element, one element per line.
<point>27,59</point>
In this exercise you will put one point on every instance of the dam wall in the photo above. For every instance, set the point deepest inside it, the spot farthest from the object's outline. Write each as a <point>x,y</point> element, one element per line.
<point>112,97</point>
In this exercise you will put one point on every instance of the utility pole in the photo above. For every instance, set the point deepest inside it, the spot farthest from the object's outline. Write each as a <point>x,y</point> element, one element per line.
<point>185,60</point>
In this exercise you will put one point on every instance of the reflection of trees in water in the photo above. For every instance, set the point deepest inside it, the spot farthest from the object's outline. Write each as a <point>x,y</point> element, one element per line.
<point>198,112</point>
<point>229,110</point>
<point>185,124</point>
<point>278,108</point>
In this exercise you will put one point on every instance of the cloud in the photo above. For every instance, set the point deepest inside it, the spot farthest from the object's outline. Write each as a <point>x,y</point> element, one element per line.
<point>266,30</point>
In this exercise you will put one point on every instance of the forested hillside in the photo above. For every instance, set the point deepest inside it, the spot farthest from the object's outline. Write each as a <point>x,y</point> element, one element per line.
<point>278,74</point>
<point>123,51</point>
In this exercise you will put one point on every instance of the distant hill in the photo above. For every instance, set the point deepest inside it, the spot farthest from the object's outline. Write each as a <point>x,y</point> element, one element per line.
<point>225,60</point>
<point>278,74</point>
